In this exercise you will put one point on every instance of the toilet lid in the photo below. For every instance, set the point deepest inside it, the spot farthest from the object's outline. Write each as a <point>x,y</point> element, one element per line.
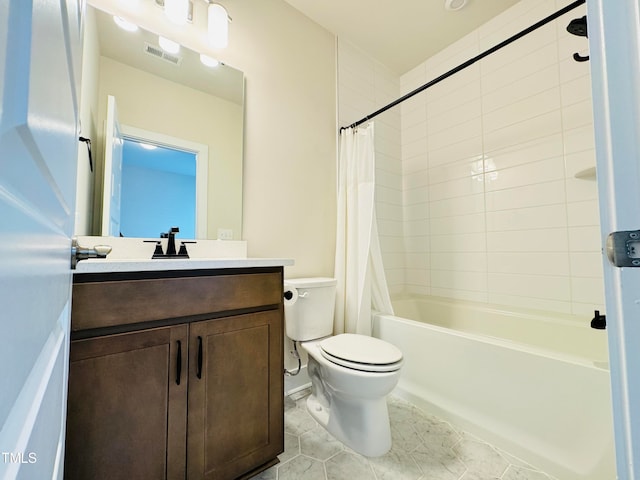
<point>361,353</point>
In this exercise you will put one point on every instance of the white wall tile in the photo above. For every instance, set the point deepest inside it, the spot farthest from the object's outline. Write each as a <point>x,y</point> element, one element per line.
<point>476,189</point>
<point>543,240</point>
<point>585,213</point>
<point>536,303</point>
<point>522,132</point>
<point>537,194</point>
<point>414,164</point>
<point>576,90</point>
<point>586,264</point>
<point>578,190</point>
<point>530,263</point>
<point>579,139</point>
<point>459,294</point>
<point>442,103</point>
<point>469,148</point>
<point>418,178</point>
<point>587,290</point>
<point>466,242</point>
<point>453,170</point>
<point>459,261</point>
<point>467,128</point>
<point>455,188</point>
<point>536,286</point>
<point>547,216</point>
<point>528,174</point>
<point>514,20</point>
<point>585,239</point>
<point>457,225</point>
<point>525,66</point>
<point>520,89</point>
<point>526,152</point>
<point>457,206</point>
<point>577,115</point>
<point>453,117</point>
<point>530,107</point>
<point>455,280</point>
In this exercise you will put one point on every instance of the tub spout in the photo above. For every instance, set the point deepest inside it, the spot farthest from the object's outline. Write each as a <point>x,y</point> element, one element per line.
<point>599,322</point>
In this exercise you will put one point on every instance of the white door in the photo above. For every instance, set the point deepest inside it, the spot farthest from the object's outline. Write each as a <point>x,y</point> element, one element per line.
<point>614,41</point>
<point>39,77</point>
<point>112,171</point>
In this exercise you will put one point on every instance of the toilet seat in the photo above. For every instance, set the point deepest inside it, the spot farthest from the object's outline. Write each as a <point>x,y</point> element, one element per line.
<point>360,352</point>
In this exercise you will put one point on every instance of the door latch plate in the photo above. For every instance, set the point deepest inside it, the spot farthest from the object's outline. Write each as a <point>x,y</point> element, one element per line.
<point>623,248</point>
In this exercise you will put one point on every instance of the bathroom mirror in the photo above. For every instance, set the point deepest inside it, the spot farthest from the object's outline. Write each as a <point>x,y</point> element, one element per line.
<point>171,96</point>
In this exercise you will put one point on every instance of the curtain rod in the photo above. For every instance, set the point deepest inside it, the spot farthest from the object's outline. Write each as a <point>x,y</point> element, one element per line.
<point>469,62</point>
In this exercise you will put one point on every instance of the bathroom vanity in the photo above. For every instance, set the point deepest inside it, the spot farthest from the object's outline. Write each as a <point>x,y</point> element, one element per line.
<point>176,373</point>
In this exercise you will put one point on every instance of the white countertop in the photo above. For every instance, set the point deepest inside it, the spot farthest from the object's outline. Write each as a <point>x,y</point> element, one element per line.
<point>139,265</point>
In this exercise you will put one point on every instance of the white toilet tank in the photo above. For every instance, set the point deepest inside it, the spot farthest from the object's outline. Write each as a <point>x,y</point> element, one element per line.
<point>309,304</point>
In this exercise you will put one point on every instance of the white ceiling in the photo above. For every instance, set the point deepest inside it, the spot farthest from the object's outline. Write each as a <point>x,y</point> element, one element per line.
<point>401,34</point>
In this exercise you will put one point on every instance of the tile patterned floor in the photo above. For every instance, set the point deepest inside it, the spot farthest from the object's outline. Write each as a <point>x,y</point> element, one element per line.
<point>424,448</point>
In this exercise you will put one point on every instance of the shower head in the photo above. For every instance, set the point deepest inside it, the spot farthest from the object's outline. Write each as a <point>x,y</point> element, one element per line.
<point>578,26</point>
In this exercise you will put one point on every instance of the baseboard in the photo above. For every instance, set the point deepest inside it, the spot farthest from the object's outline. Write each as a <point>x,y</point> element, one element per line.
<point>295,383</point>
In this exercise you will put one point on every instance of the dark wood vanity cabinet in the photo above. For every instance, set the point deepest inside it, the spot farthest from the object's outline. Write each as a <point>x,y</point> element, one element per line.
<point>197,396</point>
<point>126,414</point>
<point>233,426</point>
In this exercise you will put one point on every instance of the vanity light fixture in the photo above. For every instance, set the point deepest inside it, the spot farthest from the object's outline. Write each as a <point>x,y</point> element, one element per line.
<point>208,61</point>
<point>124,24</point>
<point>168,46</point>
<point>177,11</point>
<point>218,26</point>
<point>148,146</point>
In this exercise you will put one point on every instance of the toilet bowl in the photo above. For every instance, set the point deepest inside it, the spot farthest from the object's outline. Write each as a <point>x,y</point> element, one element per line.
<point>351,374</point>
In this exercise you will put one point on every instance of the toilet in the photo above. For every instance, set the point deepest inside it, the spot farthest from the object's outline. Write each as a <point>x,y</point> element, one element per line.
<point>351,374</point>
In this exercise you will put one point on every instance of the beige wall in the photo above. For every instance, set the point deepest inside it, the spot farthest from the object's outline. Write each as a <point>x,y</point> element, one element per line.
<point>290,134</point>
<point>88,127</point>
<point>289,198</point>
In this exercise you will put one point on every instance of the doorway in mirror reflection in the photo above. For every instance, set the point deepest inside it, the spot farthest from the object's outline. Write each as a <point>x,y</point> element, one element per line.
<point>158,189</point>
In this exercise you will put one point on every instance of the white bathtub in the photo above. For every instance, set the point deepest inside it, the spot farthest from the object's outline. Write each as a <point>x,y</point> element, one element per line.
<point>535,385</point>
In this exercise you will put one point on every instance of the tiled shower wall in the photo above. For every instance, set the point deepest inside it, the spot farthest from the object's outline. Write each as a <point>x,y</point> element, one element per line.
<point>490,204</point>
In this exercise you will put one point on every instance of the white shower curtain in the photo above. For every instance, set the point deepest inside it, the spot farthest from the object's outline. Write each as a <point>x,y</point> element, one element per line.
<point>358,269</point>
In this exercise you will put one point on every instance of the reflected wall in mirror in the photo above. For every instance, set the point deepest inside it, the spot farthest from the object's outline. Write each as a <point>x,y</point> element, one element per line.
<point>158,189</point>
<point>172,95</point>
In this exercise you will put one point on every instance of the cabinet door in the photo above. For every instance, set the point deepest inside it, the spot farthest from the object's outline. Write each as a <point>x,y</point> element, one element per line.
<point>126,414</point>
<point>235,415</point>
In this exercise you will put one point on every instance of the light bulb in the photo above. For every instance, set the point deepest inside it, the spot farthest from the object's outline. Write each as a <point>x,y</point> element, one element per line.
<point>218,26</point>
<point>125,24</point>
<point>168,46</point>
<point>208,61</point>
<point>177,10</point>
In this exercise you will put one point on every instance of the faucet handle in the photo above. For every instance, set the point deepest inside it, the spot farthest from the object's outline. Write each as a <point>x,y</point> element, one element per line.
<point>158,250</point>
<point>183,248</point>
